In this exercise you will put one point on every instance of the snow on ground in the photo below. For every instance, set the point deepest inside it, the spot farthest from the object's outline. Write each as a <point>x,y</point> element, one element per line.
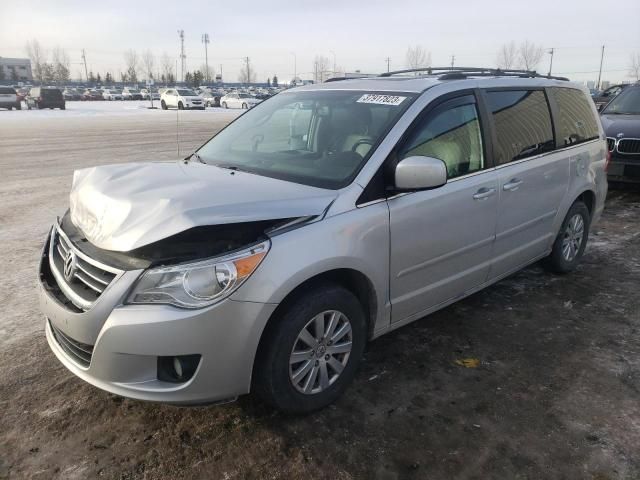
<point>75,109</point>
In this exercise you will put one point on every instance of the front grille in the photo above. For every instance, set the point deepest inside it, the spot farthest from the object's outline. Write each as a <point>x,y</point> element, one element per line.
<point>78,352</point>
<point>629,146</point>
<point>611,144</point>
<point>80,278</point>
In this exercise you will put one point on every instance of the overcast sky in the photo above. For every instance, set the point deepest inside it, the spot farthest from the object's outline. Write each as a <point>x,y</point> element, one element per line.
<point>362,33</point>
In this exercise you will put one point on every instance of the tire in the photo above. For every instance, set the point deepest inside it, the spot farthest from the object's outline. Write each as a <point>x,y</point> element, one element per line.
<point>163,105</point>
<point>224,105</point>
<point>568,248</point>
<point>244,106</point>
<point>9,108</point>
<point>18,107</point>
<point>273,378</point>
<point>64,107</point>
<point>180,106</point>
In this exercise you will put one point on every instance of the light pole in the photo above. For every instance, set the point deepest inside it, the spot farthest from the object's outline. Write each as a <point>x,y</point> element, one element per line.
<point>551,51</point>
<point>205,40</point>
<point>334,61</point>
<point>295,68</point>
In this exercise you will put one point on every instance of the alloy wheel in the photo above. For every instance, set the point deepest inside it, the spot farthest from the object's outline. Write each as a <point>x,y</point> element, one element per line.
<point>573,237</point>
<point>321,352</point>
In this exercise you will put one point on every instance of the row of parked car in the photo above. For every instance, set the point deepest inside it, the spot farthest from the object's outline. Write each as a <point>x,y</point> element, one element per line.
<point>174,97</point>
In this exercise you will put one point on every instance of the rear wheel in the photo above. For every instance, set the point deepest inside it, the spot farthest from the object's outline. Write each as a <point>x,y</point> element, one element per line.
<point>9,108</point>
<point>310,353</point>
<point>244,106</point>
<point>570,243</point>
<point>180,106</point>
<point>18,107</point>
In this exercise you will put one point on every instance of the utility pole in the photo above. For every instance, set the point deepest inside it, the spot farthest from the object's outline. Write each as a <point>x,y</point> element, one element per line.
<point>221,79</point>
<point>334,62</point>
<point>550,61</point>
<point>453,61</point>
<point>183,57</point>
<point>600,72</point>
<point>295,67</point>
<point>205,40</point>
<point>84,59</point>
<point>388,60</point>
<point>246,61</point>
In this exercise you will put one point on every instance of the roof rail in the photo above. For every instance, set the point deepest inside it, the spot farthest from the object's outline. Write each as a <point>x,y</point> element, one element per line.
<point>459,73</point>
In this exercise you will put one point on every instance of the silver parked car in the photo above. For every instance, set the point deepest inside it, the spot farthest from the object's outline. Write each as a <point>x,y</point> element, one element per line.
<point>324,217</point>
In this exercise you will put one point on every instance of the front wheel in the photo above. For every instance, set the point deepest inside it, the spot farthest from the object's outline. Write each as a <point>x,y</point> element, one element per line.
<point>310,352</point>
<point>18,107</point>
<point>245,106</point>
<point>224,105</point>
<point>180,106</point>
<point>163,105</point>
<point>570,243</point>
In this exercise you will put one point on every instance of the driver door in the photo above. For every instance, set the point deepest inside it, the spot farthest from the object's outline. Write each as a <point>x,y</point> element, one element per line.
<point>441,239</point>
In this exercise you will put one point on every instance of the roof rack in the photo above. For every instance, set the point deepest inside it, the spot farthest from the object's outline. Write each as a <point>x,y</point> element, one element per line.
<point>459,73</point>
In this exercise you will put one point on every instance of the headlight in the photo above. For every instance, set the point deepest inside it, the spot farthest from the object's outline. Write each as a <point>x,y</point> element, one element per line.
<point>198,284</point>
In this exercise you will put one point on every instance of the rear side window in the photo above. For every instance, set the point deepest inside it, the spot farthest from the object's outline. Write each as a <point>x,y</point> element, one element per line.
<point>5,90</point>
<point>51,93</point>
<point>576,122</point>
<point>523,124</point>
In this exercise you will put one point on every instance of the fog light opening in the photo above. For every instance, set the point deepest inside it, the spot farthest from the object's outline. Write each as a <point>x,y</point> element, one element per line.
<point>178,369</point>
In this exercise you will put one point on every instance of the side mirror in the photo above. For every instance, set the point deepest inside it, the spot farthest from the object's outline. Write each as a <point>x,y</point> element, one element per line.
<point>420,173</point>
<point>600,106</point>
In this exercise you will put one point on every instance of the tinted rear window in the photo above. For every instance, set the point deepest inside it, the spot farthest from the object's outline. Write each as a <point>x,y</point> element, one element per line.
<point>7,90</point>
<point>51,93</point>
<point>523,124</point>
<point>577,122</point>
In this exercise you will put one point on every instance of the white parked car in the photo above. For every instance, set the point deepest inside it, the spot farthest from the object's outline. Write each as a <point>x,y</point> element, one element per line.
<point>181,98</point>
<point>131,94</point>
<point>239,100</point>
<point>149,94</point>
<point>110,94</point>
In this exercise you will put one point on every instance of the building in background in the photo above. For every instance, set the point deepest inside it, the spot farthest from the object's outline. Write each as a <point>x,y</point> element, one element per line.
<point>16,69</point>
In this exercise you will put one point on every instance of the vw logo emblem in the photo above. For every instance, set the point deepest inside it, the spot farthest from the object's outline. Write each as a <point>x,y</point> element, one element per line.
<point>69,266</point>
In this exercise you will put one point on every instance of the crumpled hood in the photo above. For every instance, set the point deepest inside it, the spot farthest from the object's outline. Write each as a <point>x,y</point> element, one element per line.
<point>627,125</point>
<point>126,206</point>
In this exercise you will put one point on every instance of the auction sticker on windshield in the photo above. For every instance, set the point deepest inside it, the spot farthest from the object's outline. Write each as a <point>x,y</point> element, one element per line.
<point>381,99</point>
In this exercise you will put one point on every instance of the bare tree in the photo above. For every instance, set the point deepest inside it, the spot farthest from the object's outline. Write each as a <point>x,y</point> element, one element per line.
<point>167,67</point>
<point>131,62</point>
<point>634,66</point>
<point>321,69</point>
<point>530,55</point>
<point>418,57</point>
<point>38,58</point>
<point>507,55</point>
<point>247,74</point>
<point>149,61</point>
<point>61,66</point>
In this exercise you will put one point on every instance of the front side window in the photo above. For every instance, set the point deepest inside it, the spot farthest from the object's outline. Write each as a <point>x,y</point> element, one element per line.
<point>187,93</point>
<point>452,135</point>
<point>576,123</point>
<point>318,138</point>
<point>523,124</point>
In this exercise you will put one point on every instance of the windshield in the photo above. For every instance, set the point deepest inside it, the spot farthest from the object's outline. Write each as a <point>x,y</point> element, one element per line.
<point>318,138</point>
<point>187,93</point>
<point>627,103</point>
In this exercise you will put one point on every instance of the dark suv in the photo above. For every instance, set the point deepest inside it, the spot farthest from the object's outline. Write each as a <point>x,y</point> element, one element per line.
<point>45,97</point>
<point>621,123</point>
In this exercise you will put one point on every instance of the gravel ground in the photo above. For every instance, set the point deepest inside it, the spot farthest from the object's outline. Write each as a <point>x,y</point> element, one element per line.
<point>553,394</point>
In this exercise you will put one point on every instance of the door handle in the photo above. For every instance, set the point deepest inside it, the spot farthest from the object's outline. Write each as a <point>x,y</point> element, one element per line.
<point>512,184</point>
<point>484,193</point>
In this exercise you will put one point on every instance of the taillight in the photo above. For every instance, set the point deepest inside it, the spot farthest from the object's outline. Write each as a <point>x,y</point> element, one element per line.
<point>606,164</point>
<point>39,99</point>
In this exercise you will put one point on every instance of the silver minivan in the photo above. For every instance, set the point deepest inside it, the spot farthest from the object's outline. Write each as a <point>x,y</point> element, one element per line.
<point>325,217</point>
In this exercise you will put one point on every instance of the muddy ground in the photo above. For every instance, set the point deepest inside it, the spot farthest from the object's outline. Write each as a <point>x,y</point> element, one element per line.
<point>556,393</point>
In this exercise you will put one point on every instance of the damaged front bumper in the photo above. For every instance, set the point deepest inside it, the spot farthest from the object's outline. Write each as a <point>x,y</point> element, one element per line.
<point>120,348</point>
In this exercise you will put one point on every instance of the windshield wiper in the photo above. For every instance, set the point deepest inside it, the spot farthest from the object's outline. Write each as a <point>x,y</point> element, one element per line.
<point>235,168</point>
